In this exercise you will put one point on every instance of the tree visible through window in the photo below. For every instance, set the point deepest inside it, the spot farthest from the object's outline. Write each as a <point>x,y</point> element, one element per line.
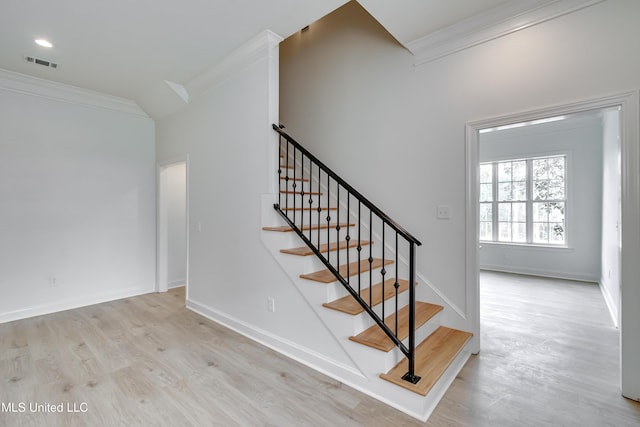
<point>523,201</point>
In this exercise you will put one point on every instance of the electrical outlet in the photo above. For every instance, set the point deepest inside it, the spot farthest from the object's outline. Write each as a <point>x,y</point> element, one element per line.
<point>53,282</point>
<point>271,304</point>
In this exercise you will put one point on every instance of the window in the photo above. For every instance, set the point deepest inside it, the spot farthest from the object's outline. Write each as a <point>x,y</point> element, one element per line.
<point>524,201</point>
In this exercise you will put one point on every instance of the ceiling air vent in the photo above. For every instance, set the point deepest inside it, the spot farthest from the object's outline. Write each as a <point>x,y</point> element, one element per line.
<point>40,61</point>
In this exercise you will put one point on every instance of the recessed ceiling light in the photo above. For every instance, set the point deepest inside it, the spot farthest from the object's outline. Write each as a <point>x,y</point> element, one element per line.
<point>43,43</point>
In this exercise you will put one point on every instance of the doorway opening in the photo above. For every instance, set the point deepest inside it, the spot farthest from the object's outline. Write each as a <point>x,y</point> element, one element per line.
<point>172,253</point>
<point>626,232</point>
<point>550,199</point>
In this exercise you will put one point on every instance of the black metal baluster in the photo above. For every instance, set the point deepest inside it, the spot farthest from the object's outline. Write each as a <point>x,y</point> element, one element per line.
<point>302,191</point>
<point>411,375</point>
<point>279,173</point>
<point>286,180</point>
<point>338,227</point>
<point>371,257</point>
<point>348,237</point>
<point>396,284</point>
<point>310,197</point>
<point>294,185</point>
<point>383,271</point>
<point>319,203</point>
<point>328,217</point>
<point>359,249</point>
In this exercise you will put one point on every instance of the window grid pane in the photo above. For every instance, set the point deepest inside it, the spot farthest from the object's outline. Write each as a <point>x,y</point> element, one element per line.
<point>486,192</point>
<point>486,230</point>
<point>512,220</point>
<point>505,205</point>
<point>486,173</point>
<point>549,223</point>
<point>486,221</point>
<point>549,193</point>
<point>512,180</point>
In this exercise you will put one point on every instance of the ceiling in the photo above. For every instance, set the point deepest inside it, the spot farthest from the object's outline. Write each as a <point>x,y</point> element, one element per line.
<point>126,48</point>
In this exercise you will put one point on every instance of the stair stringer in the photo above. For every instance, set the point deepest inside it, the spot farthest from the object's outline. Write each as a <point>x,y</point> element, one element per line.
<point>369,363</point>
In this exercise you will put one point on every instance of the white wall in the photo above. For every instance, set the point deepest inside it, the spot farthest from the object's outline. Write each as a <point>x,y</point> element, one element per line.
<point>610,279</point>
<point>77,184</point>
<point>580,137</point>
<point>176,224</point>
<point>226,133</point>
<point>396,132</point>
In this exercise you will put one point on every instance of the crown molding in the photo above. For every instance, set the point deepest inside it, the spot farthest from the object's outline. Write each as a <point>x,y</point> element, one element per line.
<point>34,86</point>
<point>167,97</point>
<point>492,24</point>
<point>252,51</point>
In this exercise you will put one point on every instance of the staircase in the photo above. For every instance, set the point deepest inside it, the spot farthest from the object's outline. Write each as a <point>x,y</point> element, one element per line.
<point>356,267</point>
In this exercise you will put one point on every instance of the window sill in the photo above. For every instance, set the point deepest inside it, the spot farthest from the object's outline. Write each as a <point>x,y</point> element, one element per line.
<point>525,245</point>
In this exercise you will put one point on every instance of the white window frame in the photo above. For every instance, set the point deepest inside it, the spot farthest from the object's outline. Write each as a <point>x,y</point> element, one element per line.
<point>529,201</point>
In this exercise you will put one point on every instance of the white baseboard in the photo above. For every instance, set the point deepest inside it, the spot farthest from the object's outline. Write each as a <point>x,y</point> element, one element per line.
<point>347,375</point>
<point>176,284</point>
<point>290,349</point>
<point>69,304</point>
<point>541,273</point>
<point>613,308</point>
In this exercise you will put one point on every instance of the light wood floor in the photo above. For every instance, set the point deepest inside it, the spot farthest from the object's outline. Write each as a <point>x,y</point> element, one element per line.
<point>549,357</point>
<point>149,361</point>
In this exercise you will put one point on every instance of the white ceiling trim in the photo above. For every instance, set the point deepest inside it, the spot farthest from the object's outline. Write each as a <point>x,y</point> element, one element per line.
<point>24,84</point>
<point>254,50</point>
<point>168,97</point>
<point>492,24</point>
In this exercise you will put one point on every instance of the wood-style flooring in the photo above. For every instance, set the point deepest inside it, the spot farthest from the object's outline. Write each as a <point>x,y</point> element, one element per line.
<point>549,357</point>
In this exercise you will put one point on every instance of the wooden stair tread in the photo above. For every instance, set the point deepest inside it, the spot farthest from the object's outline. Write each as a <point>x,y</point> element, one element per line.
<point>325,276</point>
<point>306,250</point>
<point>286,228</point>
<point>433,357</point>
<point>349,305</point>
<point>375,336</point>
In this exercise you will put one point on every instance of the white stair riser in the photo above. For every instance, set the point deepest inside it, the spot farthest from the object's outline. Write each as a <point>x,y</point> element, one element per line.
<point>375,274</point>
<point>283,239</point>
<point>389,304</point>
<point>389,308</point>
<point>388,360</point>
<point>296,201</point>
<point>313,236</point>
<point>315,264</point>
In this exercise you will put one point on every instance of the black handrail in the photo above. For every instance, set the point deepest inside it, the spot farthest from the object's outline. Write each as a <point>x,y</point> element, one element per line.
<point>404,233</point>
<point>299,160</point>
